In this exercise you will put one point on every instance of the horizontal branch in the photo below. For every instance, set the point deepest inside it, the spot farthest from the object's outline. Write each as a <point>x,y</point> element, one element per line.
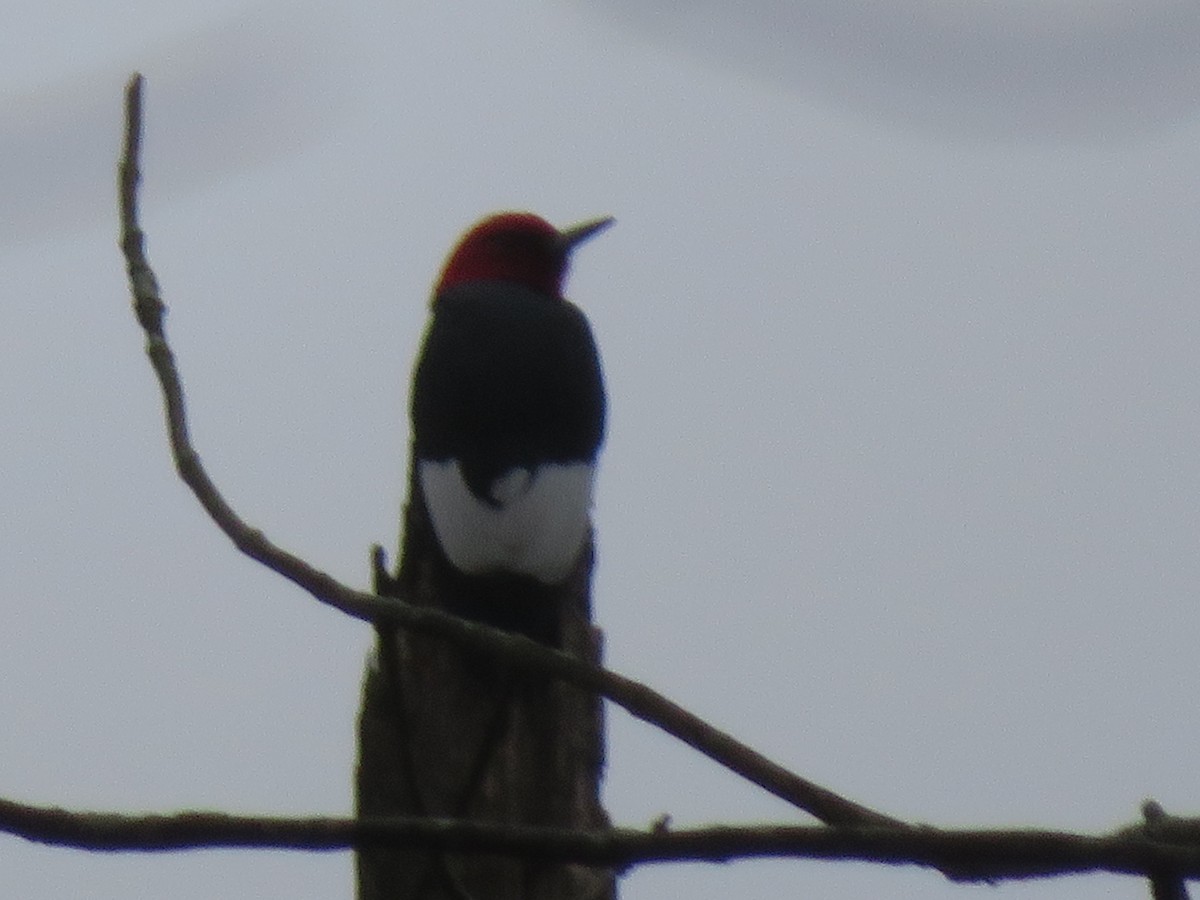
<point>970,855</point>
<point>638,699</point>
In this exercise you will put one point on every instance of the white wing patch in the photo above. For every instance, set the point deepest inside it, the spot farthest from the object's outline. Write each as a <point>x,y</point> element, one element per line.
<point>538,529</point>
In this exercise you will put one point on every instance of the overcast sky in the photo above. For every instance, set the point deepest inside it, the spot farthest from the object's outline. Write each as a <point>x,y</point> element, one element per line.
<point>898,322</point>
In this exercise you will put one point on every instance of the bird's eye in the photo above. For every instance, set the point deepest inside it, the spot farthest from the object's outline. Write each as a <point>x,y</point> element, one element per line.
<point>523,243</point>
<point>506,240</point>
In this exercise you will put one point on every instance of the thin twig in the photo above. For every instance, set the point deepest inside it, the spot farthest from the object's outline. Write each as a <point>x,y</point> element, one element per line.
<point>638,699</point>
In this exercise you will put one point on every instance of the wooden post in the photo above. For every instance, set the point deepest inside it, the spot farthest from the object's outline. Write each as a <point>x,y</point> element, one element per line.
<point>446,733</point>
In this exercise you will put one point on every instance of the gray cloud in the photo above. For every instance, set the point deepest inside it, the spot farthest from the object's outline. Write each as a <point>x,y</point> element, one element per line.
<point>1056,69</point>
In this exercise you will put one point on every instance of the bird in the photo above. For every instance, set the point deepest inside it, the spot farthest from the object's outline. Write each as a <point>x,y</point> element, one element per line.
<point>508,413</point>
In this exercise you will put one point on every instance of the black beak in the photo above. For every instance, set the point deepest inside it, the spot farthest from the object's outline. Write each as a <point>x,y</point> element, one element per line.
<point>570,238</point>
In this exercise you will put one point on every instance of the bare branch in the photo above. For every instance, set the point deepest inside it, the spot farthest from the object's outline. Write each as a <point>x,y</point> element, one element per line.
<point>638,699</point>
<point>972,855</point>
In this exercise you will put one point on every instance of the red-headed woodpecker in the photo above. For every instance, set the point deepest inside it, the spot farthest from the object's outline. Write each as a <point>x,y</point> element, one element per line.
<point>508,416</point>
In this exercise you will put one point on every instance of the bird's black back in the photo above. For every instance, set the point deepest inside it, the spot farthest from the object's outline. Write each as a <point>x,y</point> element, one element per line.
<point>507,378</point>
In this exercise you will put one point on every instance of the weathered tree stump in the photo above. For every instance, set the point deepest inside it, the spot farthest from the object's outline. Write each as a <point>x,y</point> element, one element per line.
<point>445,732</point>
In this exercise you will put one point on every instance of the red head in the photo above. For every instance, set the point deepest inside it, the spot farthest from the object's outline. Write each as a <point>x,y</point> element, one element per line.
<point>517,247</point>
